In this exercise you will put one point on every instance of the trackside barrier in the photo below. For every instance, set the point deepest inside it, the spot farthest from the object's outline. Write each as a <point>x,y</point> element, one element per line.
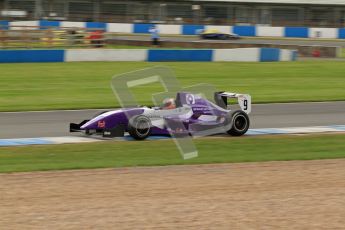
<point>151,55</point>
<point>16,56</point>
<point>296,32</point>
<point>249,31</point>
<point>4,25</point>
<point>105,55</point>
<point>180,55</point>
<point>242,30</point>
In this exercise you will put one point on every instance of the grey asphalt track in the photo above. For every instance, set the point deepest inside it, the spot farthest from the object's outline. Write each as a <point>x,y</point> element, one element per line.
<point>56,123</point>
<point>292,41</point>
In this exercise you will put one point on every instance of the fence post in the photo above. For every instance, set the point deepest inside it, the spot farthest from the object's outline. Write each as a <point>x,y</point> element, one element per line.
<point>2,38</point>
<point>49,36</point>
<point>24,40</point>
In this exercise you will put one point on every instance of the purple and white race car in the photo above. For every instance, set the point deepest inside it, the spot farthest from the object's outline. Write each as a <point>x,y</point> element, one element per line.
<point>188,114</point>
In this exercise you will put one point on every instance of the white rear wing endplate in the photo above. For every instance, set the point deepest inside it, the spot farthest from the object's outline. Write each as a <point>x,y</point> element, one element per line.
<point>244,100</point>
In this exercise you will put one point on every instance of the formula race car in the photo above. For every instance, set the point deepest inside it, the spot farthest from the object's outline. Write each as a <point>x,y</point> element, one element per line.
<point>188,114</point>
<point>216,34</point>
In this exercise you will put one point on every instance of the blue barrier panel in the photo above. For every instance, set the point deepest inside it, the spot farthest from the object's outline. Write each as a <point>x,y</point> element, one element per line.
<point>341,33</point>
<point>180,55</point>
<point>191,29</point>
<point>4,25</point>
<point>96,25</point>
<point>244,30</point>
<point>296,32</point>
<point>31,56</point>
<point>142,28</point>
<point>269,54</point>
<point>45,24</point>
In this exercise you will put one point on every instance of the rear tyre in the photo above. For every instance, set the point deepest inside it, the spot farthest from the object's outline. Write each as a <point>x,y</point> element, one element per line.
<point>139,127</point>
<point>240,123</point>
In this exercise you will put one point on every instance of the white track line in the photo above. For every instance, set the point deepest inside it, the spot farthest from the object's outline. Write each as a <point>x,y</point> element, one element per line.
<point>251,132</point>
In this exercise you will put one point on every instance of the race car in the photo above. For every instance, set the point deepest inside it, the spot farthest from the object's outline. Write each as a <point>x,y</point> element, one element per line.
<point>188,114</point>
<point>216,34</point>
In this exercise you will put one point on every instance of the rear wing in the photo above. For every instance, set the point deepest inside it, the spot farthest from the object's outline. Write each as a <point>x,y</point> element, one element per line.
<point>244,100</point>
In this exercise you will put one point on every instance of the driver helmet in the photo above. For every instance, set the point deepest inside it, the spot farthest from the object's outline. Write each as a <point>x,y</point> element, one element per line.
<point>169,103</point>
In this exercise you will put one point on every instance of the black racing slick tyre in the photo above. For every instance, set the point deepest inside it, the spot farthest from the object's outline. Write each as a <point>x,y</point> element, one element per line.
<point>239,123</point>
<point>139,127</point>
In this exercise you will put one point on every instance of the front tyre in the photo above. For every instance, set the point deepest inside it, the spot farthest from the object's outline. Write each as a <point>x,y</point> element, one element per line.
<point>240,123</point>
<point>139,127</point>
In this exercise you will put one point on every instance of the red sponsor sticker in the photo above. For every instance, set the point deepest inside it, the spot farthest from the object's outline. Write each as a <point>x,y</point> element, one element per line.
<point>101,124</point>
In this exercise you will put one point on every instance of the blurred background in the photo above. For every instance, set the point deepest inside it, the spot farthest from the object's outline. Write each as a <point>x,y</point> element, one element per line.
<point>221,12</point>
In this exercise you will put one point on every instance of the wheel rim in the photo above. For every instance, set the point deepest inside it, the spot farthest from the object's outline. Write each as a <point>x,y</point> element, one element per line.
<point>240,122</point>
<point>142,127</point>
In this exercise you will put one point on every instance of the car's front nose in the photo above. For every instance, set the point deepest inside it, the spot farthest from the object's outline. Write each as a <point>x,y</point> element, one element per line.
<point>95,123</point>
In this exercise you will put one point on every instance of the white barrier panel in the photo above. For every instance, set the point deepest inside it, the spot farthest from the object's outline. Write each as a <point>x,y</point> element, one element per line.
<point>120,27</point>
<point>285,55</point>
<point>323,33</point>
<point>223,29</point>
<point>170,29</point>
<point>73,24</point>
<point>268,31</point>
<point>105,55</point>
<point>237,55</point>
<point>18,25</point>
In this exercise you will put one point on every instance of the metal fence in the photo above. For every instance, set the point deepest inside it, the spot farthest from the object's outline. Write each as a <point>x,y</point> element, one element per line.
<point>174,12</point>
<point>38,37</point>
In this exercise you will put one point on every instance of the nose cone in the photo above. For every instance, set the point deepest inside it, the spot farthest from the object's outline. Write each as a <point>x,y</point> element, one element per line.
<point>110,119</point>
<point>105,120</point>
<point>98,122</point>
<point>93,123</point>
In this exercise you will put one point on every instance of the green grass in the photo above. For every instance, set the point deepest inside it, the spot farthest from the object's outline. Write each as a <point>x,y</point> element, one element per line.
<point>342,53</point>
<point>164,152</point>
<point>24,46</point>
<point>113,46</point>
<point>43,45</point>
<point>38,86</point>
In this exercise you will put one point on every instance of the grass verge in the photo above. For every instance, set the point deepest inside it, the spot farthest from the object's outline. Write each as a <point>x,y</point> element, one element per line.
<point>39,86</point>
<point>342,54</point>
<point>164,152</point>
